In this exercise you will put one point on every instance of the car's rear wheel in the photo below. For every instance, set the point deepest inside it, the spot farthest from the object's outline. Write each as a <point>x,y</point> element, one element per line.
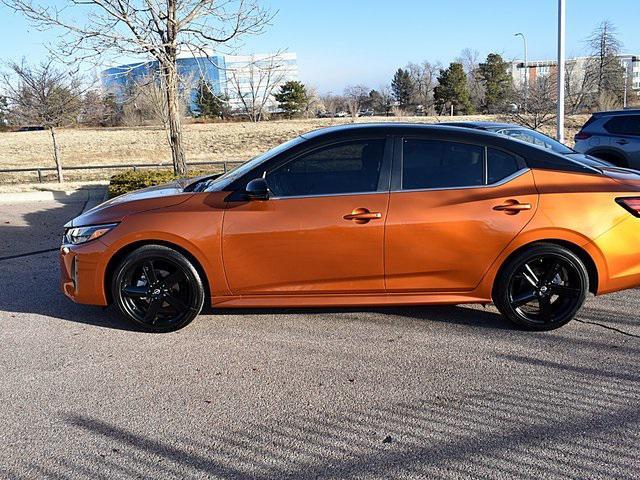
<point>541,288</point>
<point>157,288</point>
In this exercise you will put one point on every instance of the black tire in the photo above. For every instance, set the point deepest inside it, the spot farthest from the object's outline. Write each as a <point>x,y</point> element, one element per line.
<point>542,287</point>
<point>157,288</point>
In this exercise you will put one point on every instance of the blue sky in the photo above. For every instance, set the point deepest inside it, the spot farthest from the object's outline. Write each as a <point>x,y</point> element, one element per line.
<point>341,42</point>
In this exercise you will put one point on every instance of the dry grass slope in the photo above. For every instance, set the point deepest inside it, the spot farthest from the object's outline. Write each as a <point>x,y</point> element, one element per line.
<point>205,142</point>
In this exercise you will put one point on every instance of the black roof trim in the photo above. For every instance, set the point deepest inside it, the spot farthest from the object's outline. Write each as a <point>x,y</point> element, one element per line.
<point>614,113</point>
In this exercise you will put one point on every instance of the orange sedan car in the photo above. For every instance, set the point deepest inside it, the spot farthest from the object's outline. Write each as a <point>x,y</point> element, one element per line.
<point>380,214</point>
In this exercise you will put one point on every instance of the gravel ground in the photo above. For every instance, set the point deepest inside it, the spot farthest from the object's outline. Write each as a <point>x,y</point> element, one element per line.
<point>347,393</point>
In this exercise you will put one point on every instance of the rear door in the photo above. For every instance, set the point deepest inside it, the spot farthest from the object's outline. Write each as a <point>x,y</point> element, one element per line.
<point>453,208</point>
<point>625,136</point>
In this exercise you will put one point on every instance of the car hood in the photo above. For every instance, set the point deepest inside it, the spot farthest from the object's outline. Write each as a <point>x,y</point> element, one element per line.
<point>117,208</point>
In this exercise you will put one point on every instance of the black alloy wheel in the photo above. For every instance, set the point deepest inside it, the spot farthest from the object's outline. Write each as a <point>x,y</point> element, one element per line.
<point>542,288</point>
<point>158,288</point>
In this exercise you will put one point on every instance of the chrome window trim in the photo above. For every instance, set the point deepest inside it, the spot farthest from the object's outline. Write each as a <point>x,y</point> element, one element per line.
<point>373,192</point>
<point>513,176</point>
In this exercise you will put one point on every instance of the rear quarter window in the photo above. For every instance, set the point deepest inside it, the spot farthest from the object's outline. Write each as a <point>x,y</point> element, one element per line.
<point>500,165</point>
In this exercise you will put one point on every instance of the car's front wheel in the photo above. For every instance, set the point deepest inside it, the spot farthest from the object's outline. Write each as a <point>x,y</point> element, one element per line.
<point>157,288</point>
<point>541,288</point>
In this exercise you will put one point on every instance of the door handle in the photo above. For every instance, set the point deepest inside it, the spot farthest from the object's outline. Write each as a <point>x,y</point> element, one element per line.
<point>622,141</point>
<point>511,207</point>
<point>362,215</point>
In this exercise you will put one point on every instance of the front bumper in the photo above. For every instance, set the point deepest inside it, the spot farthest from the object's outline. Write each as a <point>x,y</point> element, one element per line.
<point>82,273</point>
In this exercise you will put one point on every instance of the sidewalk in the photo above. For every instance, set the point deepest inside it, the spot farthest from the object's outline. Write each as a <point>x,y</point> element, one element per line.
<point>91,193</point>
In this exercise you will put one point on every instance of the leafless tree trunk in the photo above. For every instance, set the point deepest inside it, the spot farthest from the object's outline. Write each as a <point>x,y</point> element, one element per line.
<point>56,154</point>
<point>151,30</point>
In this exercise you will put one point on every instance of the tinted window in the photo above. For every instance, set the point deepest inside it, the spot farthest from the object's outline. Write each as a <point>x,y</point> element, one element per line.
<point>500,165</point>
<point>440,164</point>
<point>352,167</point>
<point>537,138</point>
<point>624,125</point>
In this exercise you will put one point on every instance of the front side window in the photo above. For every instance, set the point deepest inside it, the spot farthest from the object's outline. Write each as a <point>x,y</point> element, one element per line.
<point>441,164</point>
<point>351,167</point>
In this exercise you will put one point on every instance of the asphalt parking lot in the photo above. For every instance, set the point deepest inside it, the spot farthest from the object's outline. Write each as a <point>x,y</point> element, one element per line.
<point>368,393</point>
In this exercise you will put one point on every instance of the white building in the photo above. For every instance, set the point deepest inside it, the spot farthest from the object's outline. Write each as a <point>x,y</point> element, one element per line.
<point>575,66</point>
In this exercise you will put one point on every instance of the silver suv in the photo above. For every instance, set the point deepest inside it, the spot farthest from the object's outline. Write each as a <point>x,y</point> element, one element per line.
<point>612,136</point>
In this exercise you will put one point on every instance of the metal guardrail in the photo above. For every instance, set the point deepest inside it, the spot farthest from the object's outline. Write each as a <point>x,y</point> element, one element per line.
<point>124,166</point>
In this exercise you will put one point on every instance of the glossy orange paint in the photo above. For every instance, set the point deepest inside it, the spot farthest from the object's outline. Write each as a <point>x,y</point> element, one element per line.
<point>425,247</point>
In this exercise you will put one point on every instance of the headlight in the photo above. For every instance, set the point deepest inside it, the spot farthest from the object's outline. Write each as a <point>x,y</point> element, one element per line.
<point>77,235</point>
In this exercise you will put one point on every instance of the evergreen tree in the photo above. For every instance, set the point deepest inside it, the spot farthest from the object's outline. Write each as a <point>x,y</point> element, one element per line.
<point>402,87</point>
<point>292,97</point>
<point>497,83</point>
<point>209,104</point>
<point>452,90</point>
<point>381,101</point>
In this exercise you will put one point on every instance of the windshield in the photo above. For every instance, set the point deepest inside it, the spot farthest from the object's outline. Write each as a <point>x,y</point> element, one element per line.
<point>232,175</point>
<point>536,138</point>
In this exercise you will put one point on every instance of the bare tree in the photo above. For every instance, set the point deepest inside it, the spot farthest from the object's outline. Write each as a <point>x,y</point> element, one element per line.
<point>254,83</point>
<point>579,85</point>
<point>330,103</point>
<point>604,67</point>
<point>159,29</point>
<point>312,102</point>
<point>99,109</point>
<point>43,96</point>
<point>470,60</point>
<point>424,78</point>
<point>541,102</point>
<point>356,96</point>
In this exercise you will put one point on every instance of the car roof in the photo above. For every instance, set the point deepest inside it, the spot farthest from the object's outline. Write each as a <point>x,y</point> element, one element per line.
<point>481,125</point>
<point>613,113</point>
<point>535,156</point>
<point>395,128</point>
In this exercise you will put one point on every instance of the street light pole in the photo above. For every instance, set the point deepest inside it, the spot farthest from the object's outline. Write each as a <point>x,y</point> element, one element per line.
<point>526,70</point>
<point>626,73</point>
<point>561,32</point>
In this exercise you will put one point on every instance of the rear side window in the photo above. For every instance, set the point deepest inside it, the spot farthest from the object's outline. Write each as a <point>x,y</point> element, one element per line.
<point>500,165</point>
<point>351,167</point>
<point>441,164</point>
<point>624,125</point>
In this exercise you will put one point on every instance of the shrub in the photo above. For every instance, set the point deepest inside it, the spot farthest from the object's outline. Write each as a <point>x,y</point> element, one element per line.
<point>131,180</point>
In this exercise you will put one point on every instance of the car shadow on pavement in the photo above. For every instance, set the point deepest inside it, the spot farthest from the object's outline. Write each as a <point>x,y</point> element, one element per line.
<point>452,314</point>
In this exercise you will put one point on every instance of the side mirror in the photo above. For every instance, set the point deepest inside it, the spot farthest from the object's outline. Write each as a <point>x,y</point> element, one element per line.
<point>257,189</point>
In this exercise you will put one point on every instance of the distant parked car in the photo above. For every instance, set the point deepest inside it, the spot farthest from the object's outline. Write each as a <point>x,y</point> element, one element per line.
<point>366,113</point>
<point>612,136</point>
<point>532,136</point>
<point>342,114</point>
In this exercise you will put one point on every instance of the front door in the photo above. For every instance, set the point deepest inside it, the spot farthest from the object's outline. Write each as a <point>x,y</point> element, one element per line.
<point>456,208</point>
<point>320,232</point>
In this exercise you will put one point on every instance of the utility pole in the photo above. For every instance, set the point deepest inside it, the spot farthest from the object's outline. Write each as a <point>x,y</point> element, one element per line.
<point>526,70</point>
<point>626,72</point>
<point>561,31</point>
